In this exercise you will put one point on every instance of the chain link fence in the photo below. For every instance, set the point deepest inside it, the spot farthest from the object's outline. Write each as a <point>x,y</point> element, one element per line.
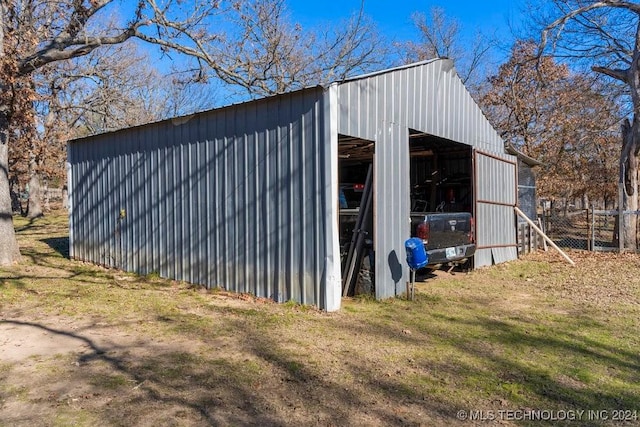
<point>569,229</point>
<point>591,229</point>
<point>577,224</point>
<point>604,233</point>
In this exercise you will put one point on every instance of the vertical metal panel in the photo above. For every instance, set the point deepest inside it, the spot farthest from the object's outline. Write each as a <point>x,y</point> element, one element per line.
<point>328,177</point>
<point>496,178</point>
<point>235,197</point>
<point>427,97</point>
<point>70,180</point>
<point>495,188</point>
<point>391,201</point>
<point>494,225</point>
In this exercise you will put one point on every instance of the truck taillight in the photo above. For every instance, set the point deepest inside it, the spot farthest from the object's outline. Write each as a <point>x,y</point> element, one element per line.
<point>472,231</point>
<point>422,231</point>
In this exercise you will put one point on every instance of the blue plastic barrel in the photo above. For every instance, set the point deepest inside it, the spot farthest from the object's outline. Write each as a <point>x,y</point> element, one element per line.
<point>416,255</point>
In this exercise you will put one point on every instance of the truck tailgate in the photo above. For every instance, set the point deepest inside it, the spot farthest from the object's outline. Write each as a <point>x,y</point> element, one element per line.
<point>447,229</point>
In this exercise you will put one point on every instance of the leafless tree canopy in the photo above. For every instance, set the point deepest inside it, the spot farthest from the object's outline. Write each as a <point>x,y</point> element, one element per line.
<point>265,53</point>
<point>441,37</point>
<point>71,28</point>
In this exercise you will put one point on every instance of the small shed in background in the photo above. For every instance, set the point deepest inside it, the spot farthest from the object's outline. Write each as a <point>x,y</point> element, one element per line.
<point>528,239</point>
<point>527,195</point>
<point>245,197</point>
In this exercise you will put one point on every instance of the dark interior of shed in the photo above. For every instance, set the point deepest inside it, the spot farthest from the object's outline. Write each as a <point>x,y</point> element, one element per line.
<point>440,178</point>
<point>440,174</point>
<point>355,193</point>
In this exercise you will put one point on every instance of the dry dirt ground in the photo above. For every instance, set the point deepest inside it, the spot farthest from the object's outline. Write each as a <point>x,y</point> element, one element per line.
<point>63,371</point>
<point>80,345</point>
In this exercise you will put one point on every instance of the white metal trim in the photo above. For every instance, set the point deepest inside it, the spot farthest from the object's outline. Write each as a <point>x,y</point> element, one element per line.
<point>333,286</point>
<point>70,203</point>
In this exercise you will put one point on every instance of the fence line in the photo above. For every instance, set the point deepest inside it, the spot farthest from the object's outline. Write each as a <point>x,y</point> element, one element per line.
<point>543,235</point>
<point>528,240</point>
<point>590,229</point>
<point>568,229</point>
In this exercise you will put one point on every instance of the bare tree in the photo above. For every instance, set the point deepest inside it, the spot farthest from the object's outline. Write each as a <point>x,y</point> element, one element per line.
<point>113,88</point>
<point>99,92</point>
<point>605,35</point>
<point>441,37</point>
<point>105,90</point>
<point>264,53</point>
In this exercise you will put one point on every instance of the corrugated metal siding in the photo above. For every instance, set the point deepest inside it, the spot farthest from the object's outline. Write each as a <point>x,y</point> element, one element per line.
<point>236,197</point>
<point>391,201</point>
<point>496,195</point>
<point>429,98</point>
<point>382,107</point>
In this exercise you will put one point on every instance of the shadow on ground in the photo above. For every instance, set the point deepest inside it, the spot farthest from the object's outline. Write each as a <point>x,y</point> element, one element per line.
<point>58,244</point>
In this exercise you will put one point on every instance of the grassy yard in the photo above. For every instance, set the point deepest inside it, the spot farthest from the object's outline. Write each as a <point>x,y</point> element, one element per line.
<point>531,342</point>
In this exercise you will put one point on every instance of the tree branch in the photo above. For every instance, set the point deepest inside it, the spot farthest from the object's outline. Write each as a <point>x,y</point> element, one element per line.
<point>622,75</point>
<point>561,22</point>
<point>59,51</point>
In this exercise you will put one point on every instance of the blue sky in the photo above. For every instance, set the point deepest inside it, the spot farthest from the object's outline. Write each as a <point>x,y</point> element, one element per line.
<point>393,18</point>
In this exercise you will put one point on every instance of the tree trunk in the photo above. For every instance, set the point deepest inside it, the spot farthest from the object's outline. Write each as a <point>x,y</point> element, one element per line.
<point>9,252</point>
<point>630,203</point>
<point>16,205</point>
<point>585,201</point>
<point>629,179</point>
<point>46,196</point>
<point>34,209</point>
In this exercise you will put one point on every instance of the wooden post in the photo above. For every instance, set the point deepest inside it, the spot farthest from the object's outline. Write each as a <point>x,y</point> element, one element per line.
<point>539,237</point>
<point>520,239</point>
<point>593,228</point>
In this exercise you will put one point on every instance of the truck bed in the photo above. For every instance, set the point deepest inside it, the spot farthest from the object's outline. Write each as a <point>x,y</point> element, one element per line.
<point>451,236</point>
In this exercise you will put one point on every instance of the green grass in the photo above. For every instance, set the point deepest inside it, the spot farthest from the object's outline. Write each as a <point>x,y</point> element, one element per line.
<point>531,334</point>
<point>109,382</point>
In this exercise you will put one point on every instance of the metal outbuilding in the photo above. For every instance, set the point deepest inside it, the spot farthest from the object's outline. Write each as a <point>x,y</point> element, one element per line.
<point>245,197</point>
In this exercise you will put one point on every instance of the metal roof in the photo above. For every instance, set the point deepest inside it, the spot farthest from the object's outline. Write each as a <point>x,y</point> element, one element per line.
<point>389,70</point>
<point>527,160</point>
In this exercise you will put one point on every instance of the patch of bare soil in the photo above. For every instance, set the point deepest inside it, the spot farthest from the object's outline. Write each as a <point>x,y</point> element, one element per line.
<point>20,342</point>
<point>24,341</point>
<point>53,367</point>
